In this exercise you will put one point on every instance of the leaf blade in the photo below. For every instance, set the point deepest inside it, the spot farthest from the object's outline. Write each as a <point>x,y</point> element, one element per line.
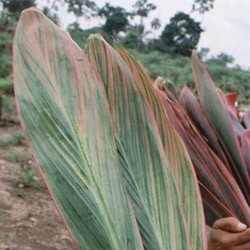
<point>98,52</point>
<point>77,156</point>
<point>176,153</point>
<point>222,196</point>
<point>220,119</point>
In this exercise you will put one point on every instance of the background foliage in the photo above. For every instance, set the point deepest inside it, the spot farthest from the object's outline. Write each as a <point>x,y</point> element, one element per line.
<point>166,55</point>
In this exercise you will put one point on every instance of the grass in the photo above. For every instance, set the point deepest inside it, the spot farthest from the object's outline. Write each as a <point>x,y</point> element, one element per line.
<point>8,109</point>
<point>30,179</point>
<point>8,105</point>
<point>10,238</point>
<point>16,156</point>
<point>6,85</point>
<point>15,140</point>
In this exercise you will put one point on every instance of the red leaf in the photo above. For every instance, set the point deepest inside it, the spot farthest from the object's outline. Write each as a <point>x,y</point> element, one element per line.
<point>222,191</point>
<point>246,118</point>
<point>198,116</point>
<point>245,144</point>
<point>231,100</point>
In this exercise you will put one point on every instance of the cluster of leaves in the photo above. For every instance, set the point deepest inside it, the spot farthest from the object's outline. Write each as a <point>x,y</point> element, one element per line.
<point>118,153</point>
<point>109,155</point>
<point>177,69</point>
<point>217,137</point>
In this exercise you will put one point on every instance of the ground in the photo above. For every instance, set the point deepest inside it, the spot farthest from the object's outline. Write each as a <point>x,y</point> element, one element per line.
<point>28,219</point>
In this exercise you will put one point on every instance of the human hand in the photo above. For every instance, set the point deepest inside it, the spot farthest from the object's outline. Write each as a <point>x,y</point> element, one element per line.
<point>229,234</point>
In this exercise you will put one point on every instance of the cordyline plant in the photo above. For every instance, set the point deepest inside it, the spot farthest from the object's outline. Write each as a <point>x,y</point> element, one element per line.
<point>217,137</point>
<point>116,168</point>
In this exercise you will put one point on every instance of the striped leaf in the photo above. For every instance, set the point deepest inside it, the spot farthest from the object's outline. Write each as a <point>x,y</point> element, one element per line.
<point>64,111</point>
<point>154,197</point>
<point>220,118</point>
<point>222,197</point>
<point>96,135</point>
<point>245,144</point>
<point>246,119</point>
<point>224,190</point>
<point>175,151</point>
<point>197,115</point>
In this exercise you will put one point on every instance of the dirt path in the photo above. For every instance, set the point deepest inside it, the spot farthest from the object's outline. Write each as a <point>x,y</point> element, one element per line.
<point>28,220</point>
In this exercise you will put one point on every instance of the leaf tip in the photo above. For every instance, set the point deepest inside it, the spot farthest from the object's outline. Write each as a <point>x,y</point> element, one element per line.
<point>95,36</point>
<point>31,11</point>
<point>194,54</point>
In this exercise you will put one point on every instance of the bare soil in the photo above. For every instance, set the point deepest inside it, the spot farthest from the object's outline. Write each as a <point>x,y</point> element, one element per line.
<point>28,219</point>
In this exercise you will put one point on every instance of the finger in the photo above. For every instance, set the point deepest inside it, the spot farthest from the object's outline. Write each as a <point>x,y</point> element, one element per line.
<point>238,239</point>
<point>229,224</point>
<point>243,247</point>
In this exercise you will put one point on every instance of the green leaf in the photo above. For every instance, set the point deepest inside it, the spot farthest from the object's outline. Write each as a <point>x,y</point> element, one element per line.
<point>146,167</point>
<point>64,111</point>
<point>175,151</point>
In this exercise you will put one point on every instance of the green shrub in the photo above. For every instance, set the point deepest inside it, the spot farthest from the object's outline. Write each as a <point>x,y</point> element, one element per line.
<point>30,179</point>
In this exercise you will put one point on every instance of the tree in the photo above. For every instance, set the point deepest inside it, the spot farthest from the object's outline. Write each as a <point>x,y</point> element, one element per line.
<point>16,6</point>
<point>116,19</point>
<point>52,16</point>
<point>203,54</point>
<point>79,35</point>
<point>7,27</point>
<point>134,37</point>
<point>181,35</point>
<point>222,59</point>
<point>142,9</point>
<point>203,6</point>
<point>79,8</point>
<point>156,24</point>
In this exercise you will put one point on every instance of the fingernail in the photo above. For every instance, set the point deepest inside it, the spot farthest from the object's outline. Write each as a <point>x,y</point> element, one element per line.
<point>241,226</point>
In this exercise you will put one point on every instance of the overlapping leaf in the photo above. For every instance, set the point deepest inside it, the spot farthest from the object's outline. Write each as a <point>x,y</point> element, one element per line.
<point>66,116</point>
<point>246,119</point>
<point>223,178</point>
<point>98,134</point>
<point>221,194</point>
<point>231,100</point>
<point>198,116</point>
<point>154,196</point>
<point>175,151</point>
<point>225,125</point>
<point>245,144</point>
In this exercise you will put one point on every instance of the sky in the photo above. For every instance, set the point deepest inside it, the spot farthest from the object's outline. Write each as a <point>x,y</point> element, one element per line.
<point>227,26</point>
